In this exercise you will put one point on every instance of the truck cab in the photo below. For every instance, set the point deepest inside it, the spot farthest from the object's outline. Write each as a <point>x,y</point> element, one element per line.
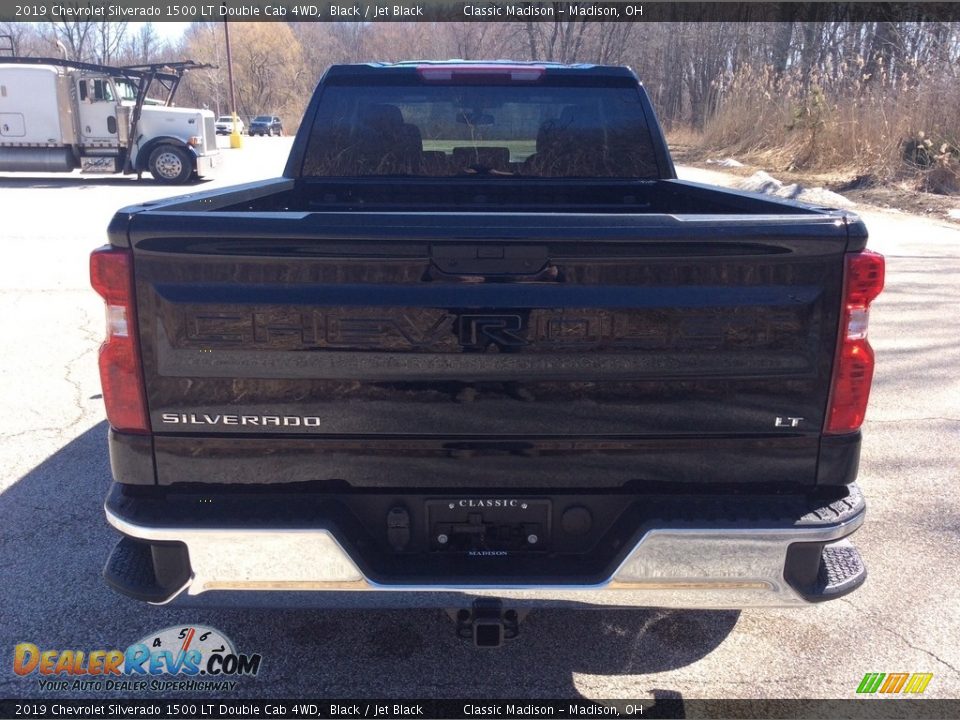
<point>102,119</point>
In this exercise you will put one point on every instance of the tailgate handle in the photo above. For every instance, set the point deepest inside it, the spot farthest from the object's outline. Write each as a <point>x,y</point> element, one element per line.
<point>489,259</point>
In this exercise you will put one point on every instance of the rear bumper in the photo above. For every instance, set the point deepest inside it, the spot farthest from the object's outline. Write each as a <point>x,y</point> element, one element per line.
<point>680,562</point>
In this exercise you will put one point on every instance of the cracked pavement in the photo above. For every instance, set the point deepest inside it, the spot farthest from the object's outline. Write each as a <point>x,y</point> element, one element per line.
<point>53,538</point>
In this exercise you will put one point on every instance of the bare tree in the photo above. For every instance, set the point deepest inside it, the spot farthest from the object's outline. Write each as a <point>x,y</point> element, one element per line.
<point>268,66</point>
<point>23,37</point>
<point>145,45</point>
<point>108,39</point>
<point>77,37</point>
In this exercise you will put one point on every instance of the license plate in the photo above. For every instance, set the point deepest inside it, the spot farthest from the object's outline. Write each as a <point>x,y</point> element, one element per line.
<point>488,525</point>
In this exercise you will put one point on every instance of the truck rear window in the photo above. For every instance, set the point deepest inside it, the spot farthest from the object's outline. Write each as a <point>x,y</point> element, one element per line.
<point>480,130</point>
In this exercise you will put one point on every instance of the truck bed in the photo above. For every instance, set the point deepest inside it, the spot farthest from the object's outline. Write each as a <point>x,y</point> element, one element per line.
<point>496,194</point>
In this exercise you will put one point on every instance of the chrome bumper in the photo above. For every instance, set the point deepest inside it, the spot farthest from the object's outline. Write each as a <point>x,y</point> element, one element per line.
<point>673,568</point>
<point>208,164</point>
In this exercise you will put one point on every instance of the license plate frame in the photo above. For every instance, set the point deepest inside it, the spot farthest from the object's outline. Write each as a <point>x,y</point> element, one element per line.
<point>488,524</point>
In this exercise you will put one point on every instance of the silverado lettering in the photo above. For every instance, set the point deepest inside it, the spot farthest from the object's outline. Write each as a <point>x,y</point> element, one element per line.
<point>260,420</point>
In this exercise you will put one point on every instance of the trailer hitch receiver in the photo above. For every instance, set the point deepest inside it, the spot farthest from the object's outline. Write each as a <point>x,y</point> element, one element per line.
<point>487,623</point>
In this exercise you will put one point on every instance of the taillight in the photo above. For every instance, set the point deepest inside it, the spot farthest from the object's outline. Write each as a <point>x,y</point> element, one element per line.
<point>853,366</point>
<point>480,73</point>
<point>111,274</point>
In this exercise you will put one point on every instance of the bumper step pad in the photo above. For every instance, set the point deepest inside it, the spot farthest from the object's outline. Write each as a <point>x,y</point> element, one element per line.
<point>841,570</point>
<point>146,571</point>
<point>824,571</point>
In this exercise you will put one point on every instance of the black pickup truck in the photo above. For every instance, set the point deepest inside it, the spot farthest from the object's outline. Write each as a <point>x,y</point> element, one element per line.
<point>480,342</point>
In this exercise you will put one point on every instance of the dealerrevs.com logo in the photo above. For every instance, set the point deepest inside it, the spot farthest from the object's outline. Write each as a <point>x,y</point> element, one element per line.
<point>201,657</point>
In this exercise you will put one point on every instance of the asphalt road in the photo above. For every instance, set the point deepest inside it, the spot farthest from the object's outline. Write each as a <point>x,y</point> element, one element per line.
<point>53,538</point>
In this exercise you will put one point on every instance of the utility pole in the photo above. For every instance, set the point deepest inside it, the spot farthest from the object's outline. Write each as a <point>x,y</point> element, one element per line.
<point>235,139</point>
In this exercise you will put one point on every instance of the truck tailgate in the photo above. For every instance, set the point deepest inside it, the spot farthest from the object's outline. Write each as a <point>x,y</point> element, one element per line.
<point>612,348</point>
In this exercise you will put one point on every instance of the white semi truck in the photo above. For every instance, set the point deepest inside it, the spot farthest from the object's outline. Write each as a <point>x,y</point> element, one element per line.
<point>60,115</point>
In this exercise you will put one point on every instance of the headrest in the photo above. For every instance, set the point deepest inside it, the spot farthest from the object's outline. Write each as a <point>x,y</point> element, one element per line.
<point>547,135</point>
<point>381,116</point>
<point>579,116</point>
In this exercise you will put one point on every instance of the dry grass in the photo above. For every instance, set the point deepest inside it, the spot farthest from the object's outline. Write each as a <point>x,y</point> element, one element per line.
<point>684,135</point>
<point>849,123</point>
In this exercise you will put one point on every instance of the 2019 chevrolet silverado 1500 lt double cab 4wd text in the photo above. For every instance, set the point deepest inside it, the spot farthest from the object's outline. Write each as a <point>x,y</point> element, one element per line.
<point>479,342</point>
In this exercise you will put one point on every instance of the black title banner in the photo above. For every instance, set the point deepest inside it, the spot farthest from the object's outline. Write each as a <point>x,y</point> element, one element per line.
<point>244,709</point>
<point>479,11</point>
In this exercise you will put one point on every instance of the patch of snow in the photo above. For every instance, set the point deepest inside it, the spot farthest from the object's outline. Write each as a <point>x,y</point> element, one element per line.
<point>955,213</point>
<point>762,182</point>
<point>726,162</point>
<point>791,192</point>
<point>824,198</point>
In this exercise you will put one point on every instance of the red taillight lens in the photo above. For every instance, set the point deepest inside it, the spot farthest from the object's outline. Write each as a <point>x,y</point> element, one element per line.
<point>853,367</point>
<point>111,274</point>
<point>864,277</point>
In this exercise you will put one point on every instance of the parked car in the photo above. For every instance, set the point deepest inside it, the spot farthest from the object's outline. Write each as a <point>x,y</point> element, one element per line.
<point>224,125</point>
<point>266,125</point>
